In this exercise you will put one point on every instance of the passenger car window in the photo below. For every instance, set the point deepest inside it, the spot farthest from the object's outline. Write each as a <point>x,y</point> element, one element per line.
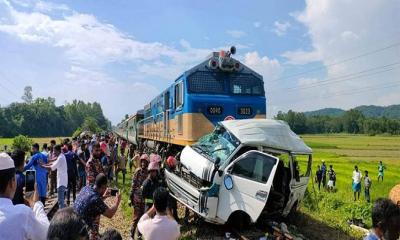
<point>254,166</point>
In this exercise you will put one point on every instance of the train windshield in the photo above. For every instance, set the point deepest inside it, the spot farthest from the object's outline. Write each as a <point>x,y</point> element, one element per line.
<point>225,83</point>
<point>218,144</point>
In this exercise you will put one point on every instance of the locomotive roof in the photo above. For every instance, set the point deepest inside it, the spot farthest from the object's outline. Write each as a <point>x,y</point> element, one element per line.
<point>267,132</point>
<point>203,66</point>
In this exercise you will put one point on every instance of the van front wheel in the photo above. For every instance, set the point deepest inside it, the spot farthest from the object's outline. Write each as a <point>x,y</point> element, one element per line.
<point>239,220</point>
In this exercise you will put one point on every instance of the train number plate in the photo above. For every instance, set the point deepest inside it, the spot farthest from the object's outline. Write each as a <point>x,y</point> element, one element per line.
<point>214,110</point>
<point>244,111</point>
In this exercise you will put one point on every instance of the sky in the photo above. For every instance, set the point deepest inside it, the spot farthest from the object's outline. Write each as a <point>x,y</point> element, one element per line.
<point>122,53</point>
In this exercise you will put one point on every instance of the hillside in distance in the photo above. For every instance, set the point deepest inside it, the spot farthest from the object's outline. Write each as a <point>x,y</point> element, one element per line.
<point>391,111</point>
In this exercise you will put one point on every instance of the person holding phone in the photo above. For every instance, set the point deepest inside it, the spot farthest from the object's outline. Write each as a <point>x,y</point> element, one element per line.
<point>90,205</point>
<point>19,160</point>
<point>19,221</point>
<point>35,162</point>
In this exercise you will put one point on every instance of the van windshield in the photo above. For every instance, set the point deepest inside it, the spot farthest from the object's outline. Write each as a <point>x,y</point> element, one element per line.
<point>218,144</point>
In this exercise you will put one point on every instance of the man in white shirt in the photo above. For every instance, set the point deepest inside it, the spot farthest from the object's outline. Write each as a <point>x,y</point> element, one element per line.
<point>158,222</point>
<point>62,174</point>
<point>19,221</point>
<point>356,182</point>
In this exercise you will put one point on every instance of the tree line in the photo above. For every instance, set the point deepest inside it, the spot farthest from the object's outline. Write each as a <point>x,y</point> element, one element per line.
<point>352,121</point>
<point>40,117</point>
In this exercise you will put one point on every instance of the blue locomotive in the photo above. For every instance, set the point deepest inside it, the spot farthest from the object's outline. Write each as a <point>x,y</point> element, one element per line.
<point>219,88</point>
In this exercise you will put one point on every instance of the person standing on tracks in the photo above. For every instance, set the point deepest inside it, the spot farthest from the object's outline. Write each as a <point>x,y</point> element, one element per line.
<point>62,174</point>
<point>35,162</point>
<point>113,158</point>
<point>84,155</point>
<point>121,166</point>
<point>72,160</point>
<point>19,221</point>
<point>93,166</point>
<point>53,174</point>
<point>136,194</point>
<point>135,160</point>
<point>90,205</point>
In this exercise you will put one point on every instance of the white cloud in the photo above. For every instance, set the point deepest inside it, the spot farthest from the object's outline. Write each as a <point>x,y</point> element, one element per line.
<point>270,69</point>
<point>49,6</point>
<point>236,33</point>
<point>301,57</point>
<point>83,49</point>
<point>306,81</point>
<point>257,24</point>
<point>280,28</point>
<point>341,30</point>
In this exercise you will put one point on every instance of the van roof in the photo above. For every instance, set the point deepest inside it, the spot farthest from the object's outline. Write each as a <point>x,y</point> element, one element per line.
<point>267,132</point>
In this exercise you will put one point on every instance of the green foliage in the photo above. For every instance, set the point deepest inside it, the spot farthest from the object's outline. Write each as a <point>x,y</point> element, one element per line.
<point>42,118</point>
<point>77,132</point>
<point>359,211</point>
<point>22,142</point>
<point>90,124</point>
<point>371,111</point>
<point>352,121</point>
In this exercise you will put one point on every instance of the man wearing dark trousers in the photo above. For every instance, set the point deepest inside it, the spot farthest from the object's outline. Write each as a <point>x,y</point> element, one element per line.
<point>72,160</point>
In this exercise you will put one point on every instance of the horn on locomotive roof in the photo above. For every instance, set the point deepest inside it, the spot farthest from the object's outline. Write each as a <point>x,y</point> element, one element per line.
<point>231,51</point>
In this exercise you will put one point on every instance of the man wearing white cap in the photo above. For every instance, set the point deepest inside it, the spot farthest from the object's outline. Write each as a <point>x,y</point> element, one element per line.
<point>19,221</point>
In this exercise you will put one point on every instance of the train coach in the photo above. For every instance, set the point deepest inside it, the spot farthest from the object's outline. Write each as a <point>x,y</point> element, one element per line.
<point>220,88</point>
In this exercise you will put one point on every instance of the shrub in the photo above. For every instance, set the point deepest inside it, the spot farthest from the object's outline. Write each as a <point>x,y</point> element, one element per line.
<point>22,142</point>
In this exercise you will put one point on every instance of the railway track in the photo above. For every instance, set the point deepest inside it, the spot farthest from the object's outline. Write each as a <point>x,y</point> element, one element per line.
<point>51,207</point>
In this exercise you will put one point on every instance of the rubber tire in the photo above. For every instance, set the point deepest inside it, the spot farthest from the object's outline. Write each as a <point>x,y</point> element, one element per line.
<point>239,220</point>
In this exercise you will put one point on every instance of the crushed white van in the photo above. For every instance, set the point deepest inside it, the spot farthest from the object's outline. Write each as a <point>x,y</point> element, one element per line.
<point>244,169</point>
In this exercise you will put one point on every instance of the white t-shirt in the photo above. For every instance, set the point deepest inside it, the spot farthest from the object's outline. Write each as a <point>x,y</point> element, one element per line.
<point>62,171</point>
<point>20,222</point>
<point>357,176</point>
<point>159,227</point>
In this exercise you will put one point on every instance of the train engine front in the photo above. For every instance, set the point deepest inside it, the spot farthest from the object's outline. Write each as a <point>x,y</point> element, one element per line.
<point>220,88</point>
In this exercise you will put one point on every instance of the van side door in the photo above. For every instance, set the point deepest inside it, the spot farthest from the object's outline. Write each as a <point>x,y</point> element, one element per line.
<point>251,176</point>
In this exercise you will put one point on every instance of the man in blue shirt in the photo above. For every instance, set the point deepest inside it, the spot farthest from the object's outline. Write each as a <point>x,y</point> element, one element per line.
<point>19,157</point>
<point>72,159</point>
<point>41,173</point>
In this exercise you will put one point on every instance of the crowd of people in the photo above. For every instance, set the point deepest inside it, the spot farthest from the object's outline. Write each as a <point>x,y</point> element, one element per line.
<point>89,169</point>
<point>323,174</point>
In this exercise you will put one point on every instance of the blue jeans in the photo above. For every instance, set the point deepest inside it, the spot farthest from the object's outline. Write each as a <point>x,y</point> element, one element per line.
<point>61,196</point>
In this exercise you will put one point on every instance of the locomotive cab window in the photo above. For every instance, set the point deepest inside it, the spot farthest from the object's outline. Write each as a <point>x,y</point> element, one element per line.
<point>179,95</point>
<point>246,84</point>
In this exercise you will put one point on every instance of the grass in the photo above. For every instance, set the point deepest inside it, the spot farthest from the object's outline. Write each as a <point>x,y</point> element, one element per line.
<point>343,152</point>
<point>40,141</point>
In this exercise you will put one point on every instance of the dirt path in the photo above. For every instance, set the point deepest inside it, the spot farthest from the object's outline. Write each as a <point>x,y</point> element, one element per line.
<point>119,222</point>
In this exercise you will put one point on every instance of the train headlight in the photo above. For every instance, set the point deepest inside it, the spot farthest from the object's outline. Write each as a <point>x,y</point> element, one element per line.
<point>213,64</point>
<point>237,66</point>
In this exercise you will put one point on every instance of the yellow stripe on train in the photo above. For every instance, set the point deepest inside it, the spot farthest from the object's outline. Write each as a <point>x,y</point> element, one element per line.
<point>184,129</point>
